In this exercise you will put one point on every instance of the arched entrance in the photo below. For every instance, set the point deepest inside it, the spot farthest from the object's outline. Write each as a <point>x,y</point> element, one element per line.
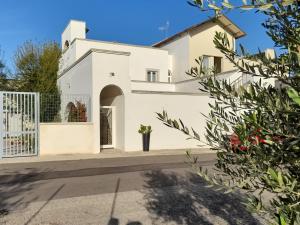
<point>111,117</point>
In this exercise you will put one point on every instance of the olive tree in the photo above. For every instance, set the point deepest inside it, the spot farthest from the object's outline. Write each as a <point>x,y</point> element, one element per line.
<point>255,129</point>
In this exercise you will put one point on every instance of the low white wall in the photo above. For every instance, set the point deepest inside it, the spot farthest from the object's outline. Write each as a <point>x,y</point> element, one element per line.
<point>189,86</point>
<point>68,138</point>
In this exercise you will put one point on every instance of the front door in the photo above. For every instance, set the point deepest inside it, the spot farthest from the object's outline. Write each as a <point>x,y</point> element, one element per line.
<point>107,127</point>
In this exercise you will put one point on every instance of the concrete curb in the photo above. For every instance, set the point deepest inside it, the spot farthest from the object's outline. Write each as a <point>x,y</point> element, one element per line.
<point>104,155</point>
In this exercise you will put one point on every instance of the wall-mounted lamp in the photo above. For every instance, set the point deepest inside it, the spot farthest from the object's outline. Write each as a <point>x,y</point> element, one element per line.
<point>112,74</point>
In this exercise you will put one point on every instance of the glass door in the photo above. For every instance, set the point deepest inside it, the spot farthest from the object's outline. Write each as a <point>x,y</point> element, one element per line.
<point>107,127</point>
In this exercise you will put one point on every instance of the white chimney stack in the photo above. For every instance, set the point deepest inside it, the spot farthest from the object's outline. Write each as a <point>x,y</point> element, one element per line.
<point>75,29</point>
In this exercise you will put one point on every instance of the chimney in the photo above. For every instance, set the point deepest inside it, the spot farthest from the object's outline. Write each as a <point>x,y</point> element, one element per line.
<point>75,29</point>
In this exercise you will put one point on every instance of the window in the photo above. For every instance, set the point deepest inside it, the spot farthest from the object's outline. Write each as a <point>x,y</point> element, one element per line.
<point>152,76</point>
<point>205,62</point>
<point>169,76</point>
<point>212,64</point>
<point>218,64</point>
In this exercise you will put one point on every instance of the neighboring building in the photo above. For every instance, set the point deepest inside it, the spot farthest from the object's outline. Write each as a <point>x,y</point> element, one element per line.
<point>128,84</point>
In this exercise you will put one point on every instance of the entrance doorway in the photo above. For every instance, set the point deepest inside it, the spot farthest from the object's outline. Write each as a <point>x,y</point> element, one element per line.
<point>107,127</point>
<point>111,118</point>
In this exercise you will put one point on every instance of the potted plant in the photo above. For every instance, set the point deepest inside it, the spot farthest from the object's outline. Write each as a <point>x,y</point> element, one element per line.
<point>145,131</point>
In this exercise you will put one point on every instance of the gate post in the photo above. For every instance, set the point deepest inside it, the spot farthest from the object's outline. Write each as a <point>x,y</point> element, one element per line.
<point>1,125</point>
<point>37,123</point>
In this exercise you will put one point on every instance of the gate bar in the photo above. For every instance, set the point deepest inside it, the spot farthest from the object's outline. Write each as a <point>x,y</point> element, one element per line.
<point>37,123</point>
<point>1,125</point>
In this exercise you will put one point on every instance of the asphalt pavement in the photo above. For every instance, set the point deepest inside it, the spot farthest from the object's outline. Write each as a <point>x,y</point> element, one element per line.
<point>131,190</point>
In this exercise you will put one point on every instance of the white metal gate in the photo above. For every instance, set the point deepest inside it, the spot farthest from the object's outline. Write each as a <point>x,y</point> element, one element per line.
<point>19,115</point>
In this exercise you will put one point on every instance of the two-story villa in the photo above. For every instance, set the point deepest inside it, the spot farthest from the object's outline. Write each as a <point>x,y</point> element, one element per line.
<point>128,84</point>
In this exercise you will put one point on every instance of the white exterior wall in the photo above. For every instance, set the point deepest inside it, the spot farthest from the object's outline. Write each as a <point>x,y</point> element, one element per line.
<point>179,50</point>
<point>75,29</point>
<point>75,85</point>
<point>103,65</point>
<point>142,108</point>
<point>137,107</point>
<point>78,80</point>
<point>265,82</point>
<point>147,86</point>
<point>119,103</point>
<point>95,61</point>
<point>70,138</point>
<point>141,58</point>
<point>201,43</point>
<point>190,86</point>
<point>190,46</point>
<point>68,57</point>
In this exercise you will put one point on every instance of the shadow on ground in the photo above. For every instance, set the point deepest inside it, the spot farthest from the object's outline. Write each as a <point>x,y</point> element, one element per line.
<point>13,189</point>
<point>113,220</point>
<point>188,200</point>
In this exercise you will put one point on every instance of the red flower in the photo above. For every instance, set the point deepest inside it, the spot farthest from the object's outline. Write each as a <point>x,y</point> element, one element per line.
<point>263,141</point>
<point>235,140</point>
<point>255,138</point>
<point>243,148</point>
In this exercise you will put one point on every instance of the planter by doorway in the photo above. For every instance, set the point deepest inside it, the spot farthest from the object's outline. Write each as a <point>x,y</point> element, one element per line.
<point>146,142</point>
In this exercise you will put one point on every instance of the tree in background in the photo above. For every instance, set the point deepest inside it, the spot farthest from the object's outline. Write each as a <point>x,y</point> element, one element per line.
<point>256,129</point>
<point>3,76</point>
<point>36,71</point>
<point>37,67</point>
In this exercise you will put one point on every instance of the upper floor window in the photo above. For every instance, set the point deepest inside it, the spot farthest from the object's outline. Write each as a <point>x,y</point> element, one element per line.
<point>212,64</point>
<point>169,76</point>
<point>206,62</point>
<point>218,64</point>
<point>152,75</point>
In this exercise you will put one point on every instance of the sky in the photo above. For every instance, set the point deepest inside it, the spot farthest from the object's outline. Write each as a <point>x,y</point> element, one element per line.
<point>130,21</point>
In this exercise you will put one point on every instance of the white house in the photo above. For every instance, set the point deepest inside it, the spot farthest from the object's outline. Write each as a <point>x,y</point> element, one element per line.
<point>128,84</point>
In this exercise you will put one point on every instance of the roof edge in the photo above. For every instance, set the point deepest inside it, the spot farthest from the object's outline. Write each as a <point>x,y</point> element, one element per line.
<point>187,30</point>
<point>116,43</point>
<point>87,54</point>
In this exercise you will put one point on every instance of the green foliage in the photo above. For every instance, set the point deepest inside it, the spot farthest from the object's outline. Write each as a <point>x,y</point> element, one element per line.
<point>293,94</point>
<point>50,106</point>
<point>145,129</point>
<point>37,67</point>
<point>179,125</point>
<point>4,86</point>
<point>265,119</point>
<point>3,77</point>
<point>201,70</point>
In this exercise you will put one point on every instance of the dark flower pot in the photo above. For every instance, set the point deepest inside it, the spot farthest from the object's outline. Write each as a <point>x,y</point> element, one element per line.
<point>146,142</point>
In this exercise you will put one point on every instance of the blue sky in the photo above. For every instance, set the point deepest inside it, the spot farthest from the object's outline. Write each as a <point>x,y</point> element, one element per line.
<point>130,21</point>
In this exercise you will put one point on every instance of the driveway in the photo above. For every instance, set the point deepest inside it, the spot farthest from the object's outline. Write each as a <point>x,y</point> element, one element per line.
<point>129,191</point>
